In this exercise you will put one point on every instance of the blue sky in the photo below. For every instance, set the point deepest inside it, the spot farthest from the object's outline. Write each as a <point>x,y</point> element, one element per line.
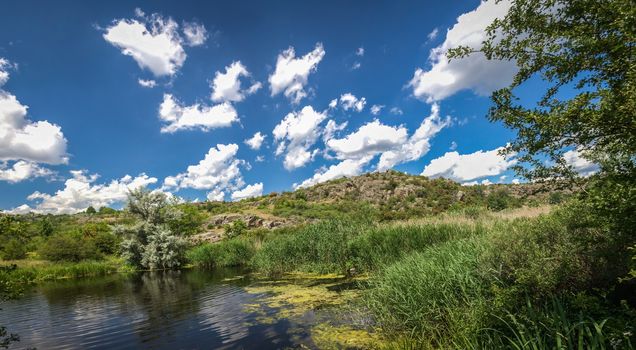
<point>79,67</point>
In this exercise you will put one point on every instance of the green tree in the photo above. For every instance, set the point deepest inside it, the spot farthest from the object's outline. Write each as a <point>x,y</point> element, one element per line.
<point>150,243</point>
<point>91,210</point>
<point>585,51</point>
<point>584,46</point>
<point>106,211</point>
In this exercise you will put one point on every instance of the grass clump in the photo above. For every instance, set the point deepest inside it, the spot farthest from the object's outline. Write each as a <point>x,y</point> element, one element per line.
<point>432,294</point>
<point>231,252</point>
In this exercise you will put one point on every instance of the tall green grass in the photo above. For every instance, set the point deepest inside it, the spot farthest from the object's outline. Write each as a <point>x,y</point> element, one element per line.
<point>432,294</point>
<point>231,252</point>
<point>337,245</point>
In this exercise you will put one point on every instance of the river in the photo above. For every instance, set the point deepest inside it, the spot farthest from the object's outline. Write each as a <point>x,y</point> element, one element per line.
<point>160,310</point>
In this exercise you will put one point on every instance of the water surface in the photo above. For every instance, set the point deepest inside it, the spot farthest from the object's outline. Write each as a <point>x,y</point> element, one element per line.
<point>155,310</point>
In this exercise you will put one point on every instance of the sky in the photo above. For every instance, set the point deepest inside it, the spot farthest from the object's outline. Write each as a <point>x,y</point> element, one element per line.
<point>229,100</point>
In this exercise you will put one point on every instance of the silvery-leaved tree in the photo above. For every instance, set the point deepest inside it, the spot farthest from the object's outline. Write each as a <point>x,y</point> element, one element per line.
<point>149,242</point>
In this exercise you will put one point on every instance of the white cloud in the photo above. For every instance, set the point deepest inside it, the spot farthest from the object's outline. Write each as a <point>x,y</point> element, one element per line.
<point>356,65</point>
<point>433,34</point>
<point>418,144</point>
<point>227,86</point>
<point>255,141</point>
<point>370,139</point>
<point>579,164</point>
<point>453,146</point>
<point>332,128</point>
<point>22,139</point>
<point>296,133</point>
<point>347,167</point>
<point>197,116</point>
<point>474,72</point>
<point>154,42</point>
<point>4,74</point>
<point>195,33</point>
<point>291,73</point>
<point>80,192</point>
<point>360,51</point>
<point>515,181</point>
<point>376,109</point>
<point>218,171</point>
<point>249,191</point>
<point>396,111</point>
<point>22,170</point>
<point>147,83</point>
<point>467,167</point>
<point>351,102</point>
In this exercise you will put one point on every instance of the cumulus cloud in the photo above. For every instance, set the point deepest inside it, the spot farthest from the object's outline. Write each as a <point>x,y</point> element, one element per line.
<point>227,86</point>
<point>4,67</point>
<point>217,172</point>
<point>81,191</point>
<point>376,109</point>
<point>22,170</point>
<point>255,141</point>
<point>474,72</point>
<point>579,164</point>
<point>248,191</point>
<point>332,128</point>
<point>370,139</point>
<point>195,33</point>
<point>295,134</point>
<point>360,51</point>
<point>468,167</point>
<point>197,116</point>
<point>418,144</point>
<point>347,167</point>
<point>351,102</point>
<point>147,83</point>
<point>23,139</point>
<point>154,42</point>
<point>291,73</point>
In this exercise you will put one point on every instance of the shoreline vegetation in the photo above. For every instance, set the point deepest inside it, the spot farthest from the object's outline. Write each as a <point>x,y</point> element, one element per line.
<point>472,277</point>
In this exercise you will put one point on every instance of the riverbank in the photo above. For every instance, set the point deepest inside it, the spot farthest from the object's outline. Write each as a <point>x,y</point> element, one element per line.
<point>467,279</point>
<point>470,278</point>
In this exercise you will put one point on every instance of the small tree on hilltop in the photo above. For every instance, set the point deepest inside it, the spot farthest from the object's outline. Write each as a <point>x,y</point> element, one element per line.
<point>150,243</point>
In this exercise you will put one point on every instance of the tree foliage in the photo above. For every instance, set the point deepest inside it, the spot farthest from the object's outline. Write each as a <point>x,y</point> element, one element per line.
<point>150,243</point>
<point>585,51</point>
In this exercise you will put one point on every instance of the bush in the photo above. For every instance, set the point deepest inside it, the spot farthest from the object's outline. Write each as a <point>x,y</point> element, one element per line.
<point>106,242</point>
<point>69,247</point>
<point>235,229</point>
<point>498,200</point>
<point>231,252</point>
<point>14,250</point>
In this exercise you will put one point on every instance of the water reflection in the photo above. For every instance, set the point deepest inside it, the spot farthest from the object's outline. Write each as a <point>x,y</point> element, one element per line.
<point>165,310</point>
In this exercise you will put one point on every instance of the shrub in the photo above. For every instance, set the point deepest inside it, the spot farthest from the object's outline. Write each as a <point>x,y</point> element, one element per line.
<point>68,247</point>
<point>14,250</point>
<point>498,200</point>
<point>106,242</point>
<point>90,210</point>
<point>235,229</point>
<point>163,251</point>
